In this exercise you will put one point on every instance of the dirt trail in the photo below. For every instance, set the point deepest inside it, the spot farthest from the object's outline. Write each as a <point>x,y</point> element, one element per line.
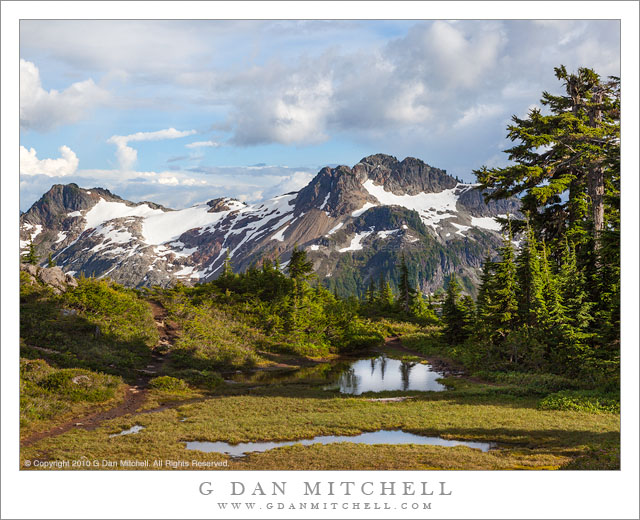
<point>135,395</point>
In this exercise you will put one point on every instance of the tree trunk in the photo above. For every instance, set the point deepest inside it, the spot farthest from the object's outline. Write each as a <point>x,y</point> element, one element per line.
<point>595,184</point>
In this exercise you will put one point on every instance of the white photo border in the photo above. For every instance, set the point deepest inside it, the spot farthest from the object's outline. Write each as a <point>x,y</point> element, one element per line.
<point>168,494</point>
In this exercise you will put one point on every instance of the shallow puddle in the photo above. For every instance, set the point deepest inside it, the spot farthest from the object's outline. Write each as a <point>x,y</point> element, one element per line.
<point>354,377</point>
<point>134,429</point>
<point>378,437</point>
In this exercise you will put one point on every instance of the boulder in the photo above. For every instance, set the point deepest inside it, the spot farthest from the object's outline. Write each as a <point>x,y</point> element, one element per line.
<point>31,269</point>
<point>54,277</point>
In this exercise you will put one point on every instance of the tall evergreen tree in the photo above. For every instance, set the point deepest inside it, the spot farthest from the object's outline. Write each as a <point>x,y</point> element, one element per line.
<point>385,293</point>
<point>572,151</point>
<point>576,313</point>
<point>300,267</point>
<point>484,299</point>
<point>497,302</point>
<point>452,313</point>
<point>407,293</point>
<point>529,282</point>
<point>371,292</point>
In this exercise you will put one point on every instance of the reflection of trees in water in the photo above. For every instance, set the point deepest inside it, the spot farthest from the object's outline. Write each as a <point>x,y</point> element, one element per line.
<point>383,366</point>
<point>405,373</point>
<point>349,381</point>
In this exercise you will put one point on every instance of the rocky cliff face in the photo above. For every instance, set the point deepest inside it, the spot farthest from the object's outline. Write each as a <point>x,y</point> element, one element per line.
<point>353,222</point>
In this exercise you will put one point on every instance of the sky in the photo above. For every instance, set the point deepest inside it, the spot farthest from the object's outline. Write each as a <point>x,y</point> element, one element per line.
<point>180,112</point>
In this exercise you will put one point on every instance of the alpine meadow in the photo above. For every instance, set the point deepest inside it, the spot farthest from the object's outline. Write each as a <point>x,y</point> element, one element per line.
<point>377,313</point>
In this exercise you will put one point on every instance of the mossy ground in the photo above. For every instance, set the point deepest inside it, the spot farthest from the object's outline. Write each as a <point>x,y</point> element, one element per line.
<point>527,438</point>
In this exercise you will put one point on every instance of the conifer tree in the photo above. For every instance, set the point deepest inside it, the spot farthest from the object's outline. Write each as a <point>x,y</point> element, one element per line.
<point>576,312</point>
<point>529,278</point>
<point>468,310</point>
<point>300,268</point>
<point>227,270</point>
<point>573,149</point>
<point>407,293</point>
<point>31,257</point>
<point>552,316</point>
<point>371,292</point>
<point>452,313</point>
<point>497,302</point>
<point>50,261</point>
<point>385,293</point>
<point>483,325</point>
<point>267,265</point>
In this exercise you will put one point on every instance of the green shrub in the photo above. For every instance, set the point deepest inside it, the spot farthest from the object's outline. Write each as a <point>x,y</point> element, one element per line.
<point>211,338</point>
<point>110,329</point>
<point>34,369</point>
<point>590,401</point>
<point>361,334</point>
<point>540,383</point>
<point>117,310</point>
<point>169,384</point>
<point>80,385</point>
<point>200,378</point>
<point>47,392</point>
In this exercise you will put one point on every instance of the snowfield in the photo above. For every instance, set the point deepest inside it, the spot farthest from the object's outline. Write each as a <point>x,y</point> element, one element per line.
<point>356,242</point>
<point>432,207</point>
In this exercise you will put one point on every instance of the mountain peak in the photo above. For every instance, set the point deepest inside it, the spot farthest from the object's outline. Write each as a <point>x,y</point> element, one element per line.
<point>409,177</point>
<point>371,211</point>
<point>381,159</point>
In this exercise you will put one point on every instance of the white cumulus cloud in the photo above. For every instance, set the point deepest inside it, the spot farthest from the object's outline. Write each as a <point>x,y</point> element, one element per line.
<point>128,156</point>
<point>44,110</point>
<point>66,164</point>
<point>203,144</point>
<point>476,114</point>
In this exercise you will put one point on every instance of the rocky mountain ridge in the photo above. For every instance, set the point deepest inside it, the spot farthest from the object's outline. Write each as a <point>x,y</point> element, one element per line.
<point>353,222</point>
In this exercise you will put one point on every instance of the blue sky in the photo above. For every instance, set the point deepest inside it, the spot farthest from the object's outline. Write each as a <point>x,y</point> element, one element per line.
<point>182,111</point>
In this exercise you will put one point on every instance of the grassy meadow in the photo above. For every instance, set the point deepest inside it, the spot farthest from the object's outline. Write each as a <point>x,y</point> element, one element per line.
<point>69,371</point>
<point>527,436</point>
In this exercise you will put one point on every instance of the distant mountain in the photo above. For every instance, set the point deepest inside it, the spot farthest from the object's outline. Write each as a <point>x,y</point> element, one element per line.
<point>353,222</point>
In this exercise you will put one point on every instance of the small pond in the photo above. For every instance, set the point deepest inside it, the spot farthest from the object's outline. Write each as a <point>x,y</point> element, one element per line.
<point>378,437</point>
<point>375,374</point>
<point>383,373</point>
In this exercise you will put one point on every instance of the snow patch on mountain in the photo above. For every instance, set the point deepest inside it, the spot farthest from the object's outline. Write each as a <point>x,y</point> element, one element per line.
<point>160,227</point>
<point>111,236</point>
<point>432,207</point>
<point>461,228</point>
<point>326,199</point>
<point>356,242</point>
<point>487,222</point>
<point>364,208</point>
<point>335,228</point>
<point>106,210</point>
<point>387,233</point>
<point>37,229</point>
